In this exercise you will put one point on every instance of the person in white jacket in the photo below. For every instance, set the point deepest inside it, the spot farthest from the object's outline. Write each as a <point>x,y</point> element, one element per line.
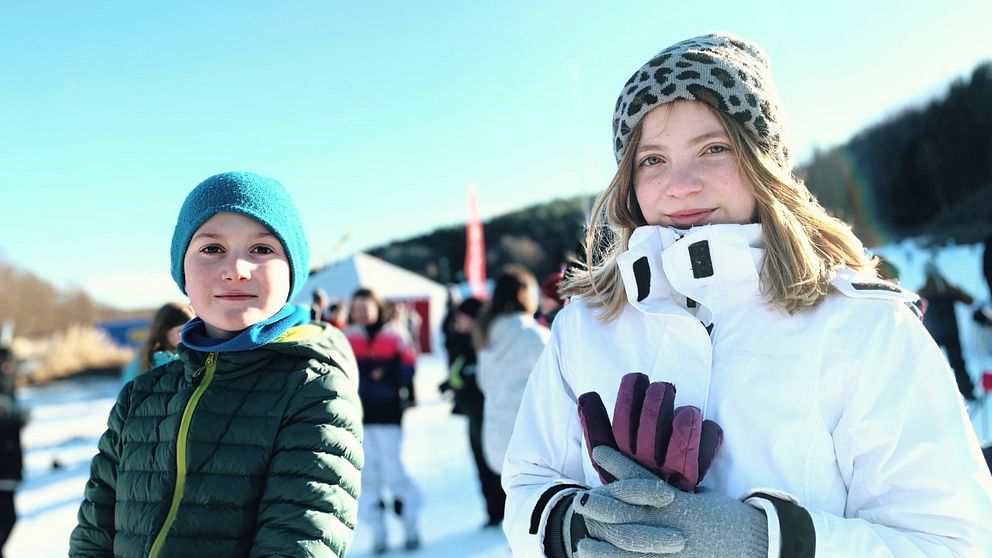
<point>710,266</point>
<point>509,341</point>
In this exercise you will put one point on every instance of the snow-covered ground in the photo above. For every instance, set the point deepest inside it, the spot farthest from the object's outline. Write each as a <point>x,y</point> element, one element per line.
<point>68,417</point>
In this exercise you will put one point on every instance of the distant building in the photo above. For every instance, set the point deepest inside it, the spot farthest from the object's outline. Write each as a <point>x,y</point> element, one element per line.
<point>126,332</point>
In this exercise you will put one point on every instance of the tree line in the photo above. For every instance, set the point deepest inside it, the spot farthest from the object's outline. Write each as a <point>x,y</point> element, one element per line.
<point>36,306</point>
<point>924,171</point>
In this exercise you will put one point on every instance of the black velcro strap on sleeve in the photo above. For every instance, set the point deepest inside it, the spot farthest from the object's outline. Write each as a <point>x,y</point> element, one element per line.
<point>795,526</point>
<point>542,502</point>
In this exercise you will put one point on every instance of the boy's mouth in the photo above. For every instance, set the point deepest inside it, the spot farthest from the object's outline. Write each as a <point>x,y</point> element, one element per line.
<point>234,296</point>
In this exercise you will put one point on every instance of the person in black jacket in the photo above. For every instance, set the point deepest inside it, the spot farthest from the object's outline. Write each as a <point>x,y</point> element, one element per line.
<point>942,323</point>
<point>458,326</point>
<point>987,262</point>
<point>11,457</point>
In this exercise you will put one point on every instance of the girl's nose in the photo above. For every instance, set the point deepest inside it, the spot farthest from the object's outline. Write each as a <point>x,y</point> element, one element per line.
<point>683,181</point>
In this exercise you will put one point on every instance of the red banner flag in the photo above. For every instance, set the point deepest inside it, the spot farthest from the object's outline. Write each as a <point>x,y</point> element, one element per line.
<point>475,249</point>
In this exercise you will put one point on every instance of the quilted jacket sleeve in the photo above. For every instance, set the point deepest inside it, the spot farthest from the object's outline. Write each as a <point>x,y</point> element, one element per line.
<point>309,504</point>
<point>94,533</point>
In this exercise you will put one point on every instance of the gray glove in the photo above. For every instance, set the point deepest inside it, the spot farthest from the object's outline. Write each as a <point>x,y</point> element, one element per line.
<point>616,520</point>
<point>712,524</point>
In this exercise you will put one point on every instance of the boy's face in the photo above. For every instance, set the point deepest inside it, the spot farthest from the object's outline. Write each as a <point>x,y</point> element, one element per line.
<point>237,274</point>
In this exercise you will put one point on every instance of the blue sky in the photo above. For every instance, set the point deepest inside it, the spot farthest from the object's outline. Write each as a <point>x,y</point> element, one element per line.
<point>377,116</point>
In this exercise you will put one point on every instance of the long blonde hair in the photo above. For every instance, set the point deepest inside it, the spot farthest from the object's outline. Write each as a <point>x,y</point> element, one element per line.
<point>804,244</point>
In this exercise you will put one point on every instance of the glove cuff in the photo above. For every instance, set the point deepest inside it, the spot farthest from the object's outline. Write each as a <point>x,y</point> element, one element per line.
<point>555,530</point>
<point>798,536</point>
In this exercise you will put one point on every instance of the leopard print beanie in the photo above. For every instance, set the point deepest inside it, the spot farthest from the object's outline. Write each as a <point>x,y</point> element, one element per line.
<point>728,73</point>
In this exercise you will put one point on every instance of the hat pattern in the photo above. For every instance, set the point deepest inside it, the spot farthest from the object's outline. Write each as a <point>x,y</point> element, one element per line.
<point>727,73</point>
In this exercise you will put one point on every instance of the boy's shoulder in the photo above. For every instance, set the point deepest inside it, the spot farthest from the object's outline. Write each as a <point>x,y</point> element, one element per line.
<point>319,347</point>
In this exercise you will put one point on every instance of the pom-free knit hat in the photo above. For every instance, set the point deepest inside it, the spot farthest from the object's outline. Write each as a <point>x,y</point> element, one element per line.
<point>730,74</point>
<point>260,198</point>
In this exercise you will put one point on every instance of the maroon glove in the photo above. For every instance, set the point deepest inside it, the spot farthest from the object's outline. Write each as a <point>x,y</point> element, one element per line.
<point>675,444</point>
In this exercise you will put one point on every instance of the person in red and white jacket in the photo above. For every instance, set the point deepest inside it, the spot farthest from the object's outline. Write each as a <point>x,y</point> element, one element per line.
<point>386,363</point>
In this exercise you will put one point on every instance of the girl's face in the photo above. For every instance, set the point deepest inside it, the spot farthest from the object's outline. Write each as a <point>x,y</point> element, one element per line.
<point>172,336</point>
<point>528,298</point>
<point>686,171</point>
<point>237,274</point>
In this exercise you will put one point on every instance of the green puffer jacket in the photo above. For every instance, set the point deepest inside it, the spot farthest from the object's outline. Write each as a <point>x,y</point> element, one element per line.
<point>268,456</point>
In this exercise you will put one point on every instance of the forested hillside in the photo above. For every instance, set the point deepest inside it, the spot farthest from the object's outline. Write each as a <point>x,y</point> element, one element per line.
<point>541,237</point>
<point>925,170</point>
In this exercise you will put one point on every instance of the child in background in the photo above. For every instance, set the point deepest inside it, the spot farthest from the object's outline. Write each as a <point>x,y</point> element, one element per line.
<point>386,364</point>
<point>248,444</point>
<point>509,341</point>
<point>163,337</point>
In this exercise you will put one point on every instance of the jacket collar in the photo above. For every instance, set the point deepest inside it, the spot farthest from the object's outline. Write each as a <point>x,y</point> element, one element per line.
<point>703,270</point>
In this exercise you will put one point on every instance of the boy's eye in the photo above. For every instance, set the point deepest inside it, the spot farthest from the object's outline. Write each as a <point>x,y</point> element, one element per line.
<point>211,249</point>
<point>266,250</point>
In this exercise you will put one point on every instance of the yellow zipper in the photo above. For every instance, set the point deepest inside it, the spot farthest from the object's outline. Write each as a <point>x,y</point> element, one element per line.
<point>181,442</point>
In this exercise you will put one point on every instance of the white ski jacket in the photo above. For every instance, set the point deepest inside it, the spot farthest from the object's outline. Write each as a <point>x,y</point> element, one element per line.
<point>849,409</point>
<point>515,343</point>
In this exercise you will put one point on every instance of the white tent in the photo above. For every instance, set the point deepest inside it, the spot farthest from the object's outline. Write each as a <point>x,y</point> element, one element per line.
<point>390,282</point>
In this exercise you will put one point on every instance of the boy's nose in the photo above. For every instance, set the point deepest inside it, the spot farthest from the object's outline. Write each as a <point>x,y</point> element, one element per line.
<point>237,269</point>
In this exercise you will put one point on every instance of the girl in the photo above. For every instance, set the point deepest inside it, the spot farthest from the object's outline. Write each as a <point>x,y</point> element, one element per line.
<point>712,267</point>
<point>249,444</point>
<point>385,365</point>
<point>509,341</point>
<point>163,337</point>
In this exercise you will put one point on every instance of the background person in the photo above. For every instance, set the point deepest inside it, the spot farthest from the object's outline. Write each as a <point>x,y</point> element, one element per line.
<point>940,296</point>
<point>386,364</point>
<point>509,341</point>
<point>163,338</point>
<point>469,401</point>
<point>12,421</point>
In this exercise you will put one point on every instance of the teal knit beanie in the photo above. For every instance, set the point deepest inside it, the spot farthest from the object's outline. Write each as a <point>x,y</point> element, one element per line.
<point>263,199</point>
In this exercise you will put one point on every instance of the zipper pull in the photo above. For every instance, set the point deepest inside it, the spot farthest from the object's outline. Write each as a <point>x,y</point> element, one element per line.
<point>198,375</point>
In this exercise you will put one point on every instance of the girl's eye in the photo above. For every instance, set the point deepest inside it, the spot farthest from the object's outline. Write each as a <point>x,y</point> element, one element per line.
<point>211,249</point>
<point>714,149</point>
<point>650,160</point>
